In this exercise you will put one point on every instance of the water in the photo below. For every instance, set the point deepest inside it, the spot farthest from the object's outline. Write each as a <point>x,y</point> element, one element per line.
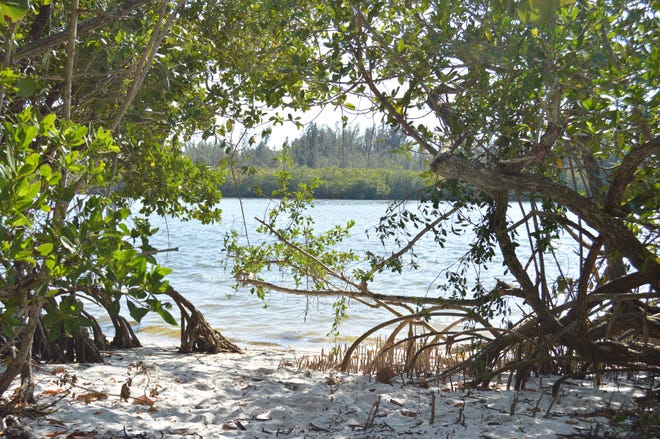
<point>201,274</point>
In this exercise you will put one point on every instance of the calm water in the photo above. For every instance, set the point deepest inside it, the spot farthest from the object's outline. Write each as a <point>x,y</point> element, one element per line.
<point>199,272</point>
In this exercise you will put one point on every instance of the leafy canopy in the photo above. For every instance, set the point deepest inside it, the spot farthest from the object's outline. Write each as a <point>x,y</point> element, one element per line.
<point>550,105</point>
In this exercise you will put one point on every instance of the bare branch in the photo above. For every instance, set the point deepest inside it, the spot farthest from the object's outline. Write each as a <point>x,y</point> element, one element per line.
<point>500,290</point>
<point>144,64</point>
<point>626,171</point>
<point>539,153</point>
<point>70,58</point>
<point>417,237</point>
<point>382,99</point>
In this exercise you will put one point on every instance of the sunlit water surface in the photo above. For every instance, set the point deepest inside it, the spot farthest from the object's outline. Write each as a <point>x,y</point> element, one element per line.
<point>201,273</point>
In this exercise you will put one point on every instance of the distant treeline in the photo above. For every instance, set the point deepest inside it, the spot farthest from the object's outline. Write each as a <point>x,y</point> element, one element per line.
<point>337,183</point>
<point>370,163</point>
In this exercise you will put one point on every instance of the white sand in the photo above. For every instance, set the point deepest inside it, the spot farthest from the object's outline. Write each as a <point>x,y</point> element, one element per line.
<point>261,395</point>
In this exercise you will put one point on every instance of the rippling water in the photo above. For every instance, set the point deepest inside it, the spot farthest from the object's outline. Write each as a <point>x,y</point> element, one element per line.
<point>199,272</point>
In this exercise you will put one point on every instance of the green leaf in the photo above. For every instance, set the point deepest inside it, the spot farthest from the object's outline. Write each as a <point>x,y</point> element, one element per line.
<point>19,220</point>
<point>136,312</point>
<point>125,256</point>
<point>25,256</point>
<point>26,193</point>
<point>67,244</point>
<point>52,293</point>
<point>14,9</point>
<point>30,165</point>
<point>11,160</point>
<point>165,314</point>
<point>48,123</point>
<point>105,136</point>
<point>45,171</point>
<point>161,271</point>
<point>75,135</point>
<point>45,248</point>
<point>26,87</point>
<point>50,262</point>
<point>26,134</point>
<point>538,12</point>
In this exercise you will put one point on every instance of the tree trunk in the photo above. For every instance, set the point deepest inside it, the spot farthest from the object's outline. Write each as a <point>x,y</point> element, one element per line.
<point>196,333</point>
<point>615,233</point>
<point>125,337</point>
<point>76,348</point>
<point>18,363</point>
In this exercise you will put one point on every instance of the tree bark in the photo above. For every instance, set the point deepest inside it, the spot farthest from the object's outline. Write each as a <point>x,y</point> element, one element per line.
<point>125,337</point>
<point>626,172</point>
<point>196,333</point>
<point>163,25</point>
<point>70,58</point>
<point>616,235</point>
<point>18,363</point>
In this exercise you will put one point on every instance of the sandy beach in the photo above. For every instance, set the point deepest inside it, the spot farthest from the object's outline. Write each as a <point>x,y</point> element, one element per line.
<point>154,392</point>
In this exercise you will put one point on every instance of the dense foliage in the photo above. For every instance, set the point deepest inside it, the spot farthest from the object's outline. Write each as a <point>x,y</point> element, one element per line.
<point>96,99</point>
<point>334,183</point>
<point>555,103</point>
<point>348,163</point>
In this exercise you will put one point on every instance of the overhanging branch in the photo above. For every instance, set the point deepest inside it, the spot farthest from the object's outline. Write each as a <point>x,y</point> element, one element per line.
<point>500,290</point>
<point>613,230</point>
<point>626,171</point>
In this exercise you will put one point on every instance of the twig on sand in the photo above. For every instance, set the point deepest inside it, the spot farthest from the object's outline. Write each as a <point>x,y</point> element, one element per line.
<point>432,408</point>
<point>317,428</point>
<point>372,415</point>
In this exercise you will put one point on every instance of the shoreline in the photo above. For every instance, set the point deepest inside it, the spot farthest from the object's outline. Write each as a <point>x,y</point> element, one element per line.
<point>262,394</point>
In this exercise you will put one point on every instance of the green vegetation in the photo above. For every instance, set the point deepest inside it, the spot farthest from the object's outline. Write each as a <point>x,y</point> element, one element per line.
<point>555,102</point>
<point>95,99</point>
<point>334,183</point>
<point>374,164</point>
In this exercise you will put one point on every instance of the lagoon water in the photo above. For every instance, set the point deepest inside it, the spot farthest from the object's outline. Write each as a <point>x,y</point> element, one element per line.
<point>201,273</point>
